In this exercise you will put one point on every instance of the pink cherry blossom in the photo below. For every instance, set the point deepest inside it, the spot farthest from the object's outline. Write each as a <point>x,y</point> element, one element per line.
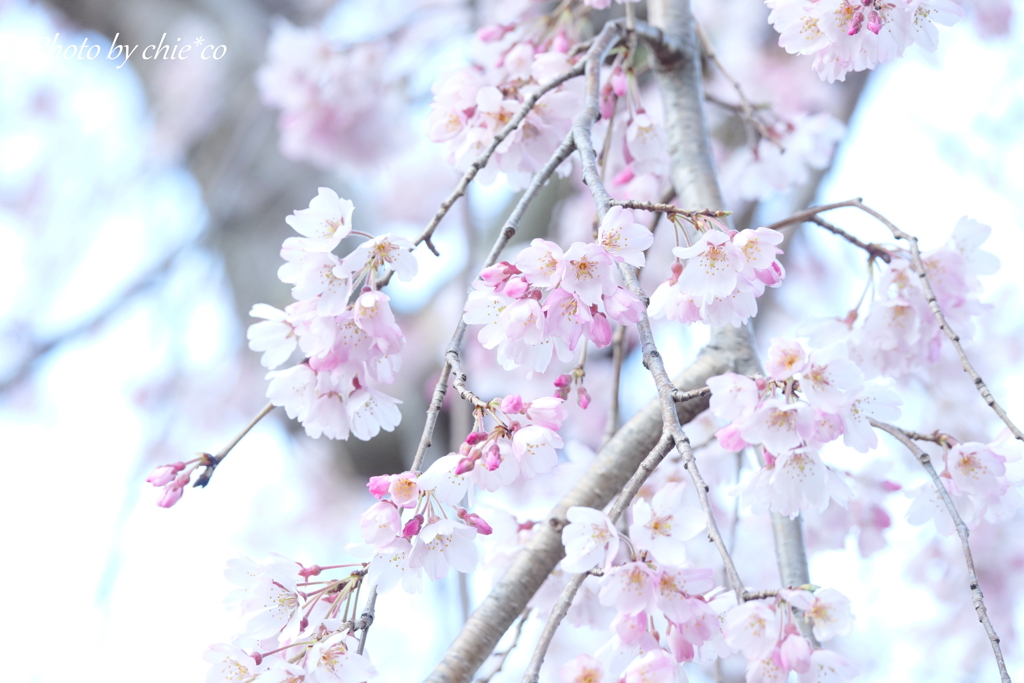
<point>380,524</point>
<point>785,359</point>
<point>752,628</point>
<point>623,238</point>
<point>827,609</point>
<point>442,544</point>
<point>630,587</point>
<point>976,470</point>
<point>326,222</point>
<point>663,525</point>
<point>588,272</point>
<point>590,539</point>
<point>656,666</point>
<point>712,267</point>
<point>871,402</point>
<point>229,664</point>
<point>582,669</point>
<point>780,426</point>
<point>334,660</point>
<point>274,337</point>
<point>827,667</point>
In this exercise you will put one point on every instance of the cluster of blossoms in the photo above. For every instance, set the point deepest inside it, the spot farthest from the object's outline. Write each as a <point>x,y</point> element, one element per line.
<point>340,321</point>
<point>173,478</point>
<point>335,107</point>
<point>783,155</point>
<point>473,104</point>
<point>808,400</point>
<point>669,612</point>
<point>765,632</point>
<point>299,630</point>
<point>725,273</point>
<point>634,149</point>
<point>522,444</point>
<point>982,479</point>
<point>549,299</point>
<point>854,35</point>
<point>900,333</point>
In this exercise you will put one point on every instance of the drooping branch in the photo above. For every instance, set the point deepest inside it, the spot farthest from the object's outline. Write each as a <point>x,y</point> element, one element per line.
<point>213,461</point>
<point>677,68</point>
<point>481,161</point>
<point>962,531</point>
<point>454,348</point>
<point>611,469</point>
<point>564,602</point>
<point>918,265</point>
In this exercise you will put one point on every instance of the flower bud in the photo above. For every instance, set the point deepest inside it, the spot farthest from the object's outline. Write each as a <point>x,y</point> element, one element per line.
<point>379,485</point>
<point>512,404</point>
<point>563,381</point>
<point>492,459</point>
<point>165,474</point>
<point>413,526</point>
<point>476,437</point>
<point>582,397</point>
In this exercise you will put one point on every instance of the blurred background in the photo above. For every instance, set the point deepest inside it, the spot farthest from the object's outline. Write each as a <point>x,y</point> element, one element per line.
<point>141,215</point>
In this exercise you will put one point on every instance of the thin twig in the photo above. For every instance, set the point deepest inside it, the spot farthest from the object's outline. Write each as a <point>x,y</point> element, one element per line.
<point>366,619</point>
<point>460,379</point>
<point>481,161</point>
<point>681,396</point>
<point>961,529</point>
<point>582,133</point>
<point>508,651</point>
<point>660,207</point>
<point>212,463</point>
<point>746,108</point>
<point>933,304</point>
<point>918,266</point>
<point>875,250</point>
<point>618,351</point>
<point>455,346</point>
<point>564,602</point>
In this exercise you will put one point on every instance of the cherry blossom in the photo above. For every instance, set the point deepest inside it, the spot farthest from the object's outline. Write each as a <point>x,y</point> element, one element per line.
<point>590,539</point>
<point>334,660</point>
<point>229,664</point>
<point>662,525</point>
<point>827,609</point>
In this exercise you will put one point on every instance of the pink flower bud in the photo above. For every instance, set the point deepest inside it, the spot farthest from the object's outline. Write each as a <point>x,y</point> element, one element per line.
<point>165,474</point>
<point>492,459</point>
<point>600,330</point>
<point>465,465</point>
<point>413,526</point>
<point>855,24</point>
<point>607,102</point>
<point>512,404</point>
<point>563,381</point>
<point>562,393</point>
<point>624,176</point>
<point>307,572</point>
<point>474,520</point>
<point>772,275</point>
<point>874,22</point>
<point>476,437</point>
<point>677,270</point>
<point>257,657</point>
<point>498,273</point>
<point>379,485</point>
<point>560,43</point>
<point>730,440</point>
<point>516,287</point>
<point>618,81</point>
<point>582,397</point>
<point>489,34</point>
<point>172,494</point>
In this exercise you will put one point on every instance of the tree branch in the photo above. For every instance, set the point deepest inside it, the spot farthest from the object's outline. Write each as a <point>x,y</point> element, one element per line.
<point>961,529</point>
<point>564,602</point>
